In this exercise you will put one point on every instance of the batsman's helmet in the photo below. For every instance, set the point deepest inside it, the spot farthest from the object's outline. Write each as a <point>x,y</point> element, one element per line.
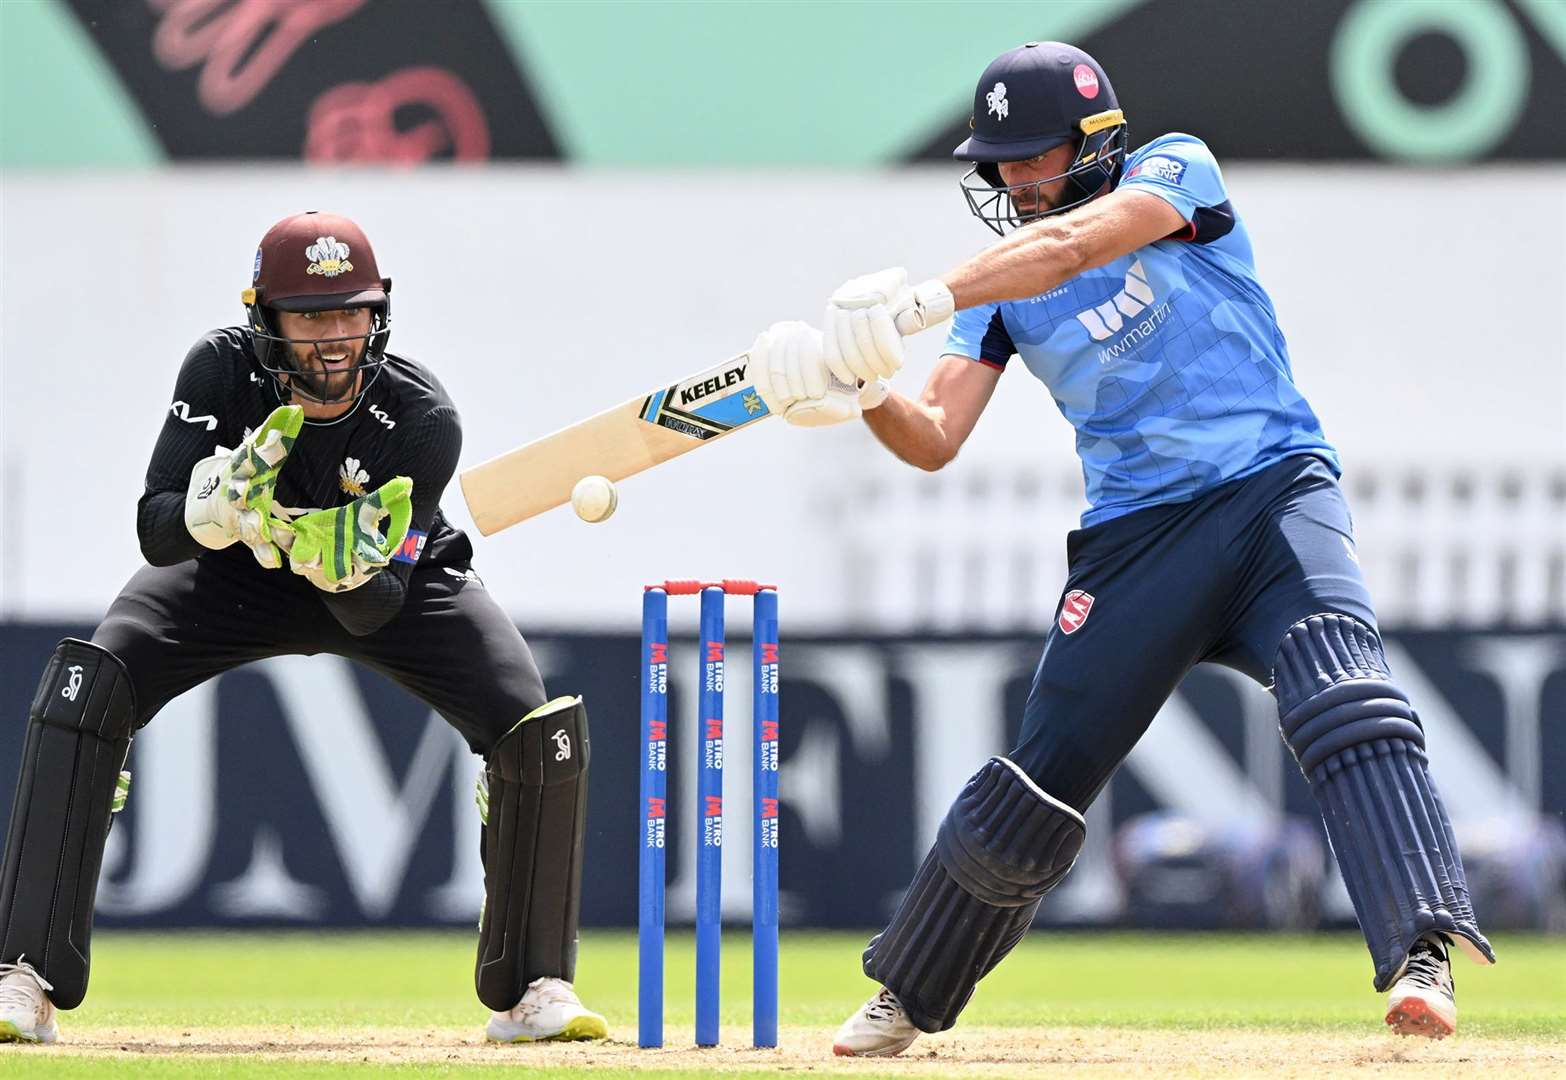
<point>316,262</point>
<point>1033,99</point>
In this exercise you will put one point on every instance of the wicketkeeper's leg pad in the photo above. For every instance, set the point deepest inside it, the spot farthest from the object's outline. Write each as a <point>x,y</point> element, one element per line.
<point>1001,847</point>
<point>535,817</point>
<point>78,735</point>
<point>1360,744</point>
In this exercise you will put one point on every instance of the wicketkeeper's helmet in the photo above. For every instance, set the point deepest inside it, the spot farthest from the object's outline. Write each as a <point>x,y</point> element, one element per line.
<point>316,262</point>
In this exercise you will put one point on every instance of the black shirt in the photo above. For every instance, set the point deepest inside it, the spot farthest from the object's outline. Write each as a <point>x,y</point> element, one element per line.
<point>404,424</point>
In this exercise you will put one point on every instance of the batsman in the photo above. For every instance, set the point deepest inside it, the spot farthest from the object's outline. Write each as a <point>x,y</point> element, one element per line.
<point>292,506</point>
<point>1216,531</point>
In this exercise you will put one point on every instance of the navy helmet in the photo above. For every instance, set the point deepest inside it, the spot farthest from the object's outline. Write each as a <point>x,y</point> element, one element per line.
<point>1031,100</point>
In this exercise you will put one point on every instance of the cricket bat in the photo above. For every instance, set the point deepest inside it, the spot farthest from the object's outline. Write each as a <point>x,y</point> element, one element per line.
<point>618,443</point>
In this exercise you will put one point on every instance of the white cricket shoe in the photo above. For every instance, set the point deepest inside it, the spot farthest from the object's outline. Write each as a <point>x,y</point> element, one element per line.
<point>550,1010</point>
<point>26,1013</point>
<point>880,1028</point>
<point>1423,1001</point>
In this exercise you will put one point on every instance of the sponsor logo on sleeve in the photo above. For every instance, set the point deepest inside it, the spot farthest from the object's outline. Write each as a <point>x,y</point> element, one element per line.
<point>412,547</point>
<point>1163,168</point>
<point>183,411</point>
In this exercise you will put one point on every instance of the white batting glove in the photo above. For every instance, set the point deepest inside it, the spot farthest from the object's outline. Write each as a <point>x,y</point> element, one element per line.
<point>785,365</point>
<point>791,378</point>
<point>873,393</point>
<point>867,317</point>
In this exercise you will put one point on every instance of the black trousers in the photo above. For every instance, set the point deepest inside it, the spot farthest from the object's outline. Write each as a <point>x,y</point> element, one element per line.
<point>451,645</point>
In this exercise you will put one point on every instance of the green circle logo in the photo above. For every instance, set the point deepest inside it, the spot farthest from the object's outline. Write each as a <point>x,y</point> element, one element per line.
<point>1483,111</point>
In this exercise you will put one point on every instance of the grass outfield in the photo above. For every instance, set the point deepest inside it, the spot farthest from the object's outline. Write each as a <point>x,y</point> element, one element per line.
<point>295,1005</point>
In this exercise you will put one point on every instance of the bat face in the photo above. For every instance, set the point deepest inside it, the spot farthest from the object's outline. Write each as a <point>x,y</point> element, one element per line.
<point>618,443</point>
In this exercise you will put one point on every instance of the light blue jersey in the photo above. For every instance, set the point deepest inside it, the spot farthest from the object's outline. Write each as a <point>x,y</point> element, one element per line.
<point>1168,362</point>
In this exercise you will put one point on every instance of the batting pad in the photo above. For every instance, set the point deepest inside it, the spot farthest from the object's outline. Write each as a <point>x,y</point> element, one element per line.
<point>533,837</point>
<point>1359,743</point>
<point>1001,847</point>
<point>78,735</point>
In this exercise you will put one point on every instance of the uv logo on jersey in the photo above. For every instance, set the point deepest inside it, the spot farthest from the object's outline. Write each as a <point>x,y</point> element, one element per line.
<point>1106,319</point>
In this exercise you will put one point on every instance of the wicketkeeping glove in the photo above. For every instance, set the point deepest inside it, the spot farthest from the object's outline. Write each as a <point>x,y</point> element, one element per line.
<point>230,495</point>
<point>342,548</point>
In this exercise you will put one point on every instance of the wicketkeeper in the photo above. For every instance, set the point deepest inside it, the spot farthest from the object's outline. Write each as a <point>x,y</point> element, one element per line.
<point>1216,531</point>
<point>293,506</point>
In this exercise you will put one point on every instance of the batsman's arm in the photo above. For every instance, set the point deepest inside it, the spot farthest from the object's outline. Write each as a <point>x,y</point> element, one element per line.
<point>428,457</point>
<point>929,432</point>
<point>193,426</point>
<point>1040,256</point>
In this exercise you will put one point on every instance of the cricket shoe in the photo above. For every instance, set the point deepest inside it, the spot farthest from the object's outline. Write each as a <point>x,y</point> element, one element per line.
<point>26,1013</point>
<point>880,1028</point>
<point>1422,1001</point>
<point>549,1011</point>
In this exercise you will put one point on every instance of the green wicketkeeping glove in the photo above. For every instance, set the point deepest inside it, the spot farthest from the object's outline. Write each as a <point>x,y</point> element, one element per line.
<point>342,548</point>
<point>230,494</point>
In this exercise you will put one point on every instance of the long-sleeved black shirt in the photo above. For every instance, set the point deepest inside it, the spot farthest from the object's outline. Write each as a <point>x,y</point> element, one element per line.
<point>404,424</point>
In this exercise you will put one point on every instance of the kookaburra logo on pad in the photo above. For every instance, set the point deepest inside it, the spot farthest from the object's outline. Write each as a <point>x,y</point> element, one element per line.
<point>328,257</point>
<point>73,682</point>
<point>996,101</point>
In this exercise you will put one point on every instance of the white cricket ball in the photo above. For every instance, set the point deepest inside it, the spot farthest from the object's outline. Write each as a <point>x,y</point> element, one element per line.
<point>594,498</point>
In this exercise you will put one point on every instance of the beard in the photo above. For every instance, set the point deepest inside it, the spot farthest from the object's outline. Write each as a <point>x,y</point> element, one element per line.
<point>313,379</point>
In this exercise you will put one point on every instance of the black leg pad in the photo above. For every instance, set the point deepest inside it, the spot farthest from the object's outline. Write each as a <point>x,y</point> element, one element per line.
<point>1000,848</point>
<point>533,833</point>
<point>78,735</point>
<point>1359,743</point>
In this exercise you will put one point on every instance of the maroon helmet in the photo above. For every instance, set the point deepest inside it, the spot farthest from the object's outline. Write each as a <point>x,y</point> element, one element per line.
<point>316,262</point>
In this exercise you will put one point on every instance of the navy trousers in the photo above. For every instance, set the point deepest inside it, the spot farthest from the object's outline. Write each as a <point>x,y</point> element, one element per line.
<point>1156,592</point>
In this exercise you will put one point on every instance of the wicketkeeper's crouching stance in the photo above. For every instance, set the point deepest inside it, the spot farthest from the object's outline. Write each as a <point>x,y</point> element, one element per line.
<point>307,383</point>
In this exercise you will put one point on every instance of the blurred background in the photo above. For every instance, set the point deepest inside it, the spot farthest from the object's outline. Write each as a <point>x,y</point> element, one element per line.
<point>579,202</point>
